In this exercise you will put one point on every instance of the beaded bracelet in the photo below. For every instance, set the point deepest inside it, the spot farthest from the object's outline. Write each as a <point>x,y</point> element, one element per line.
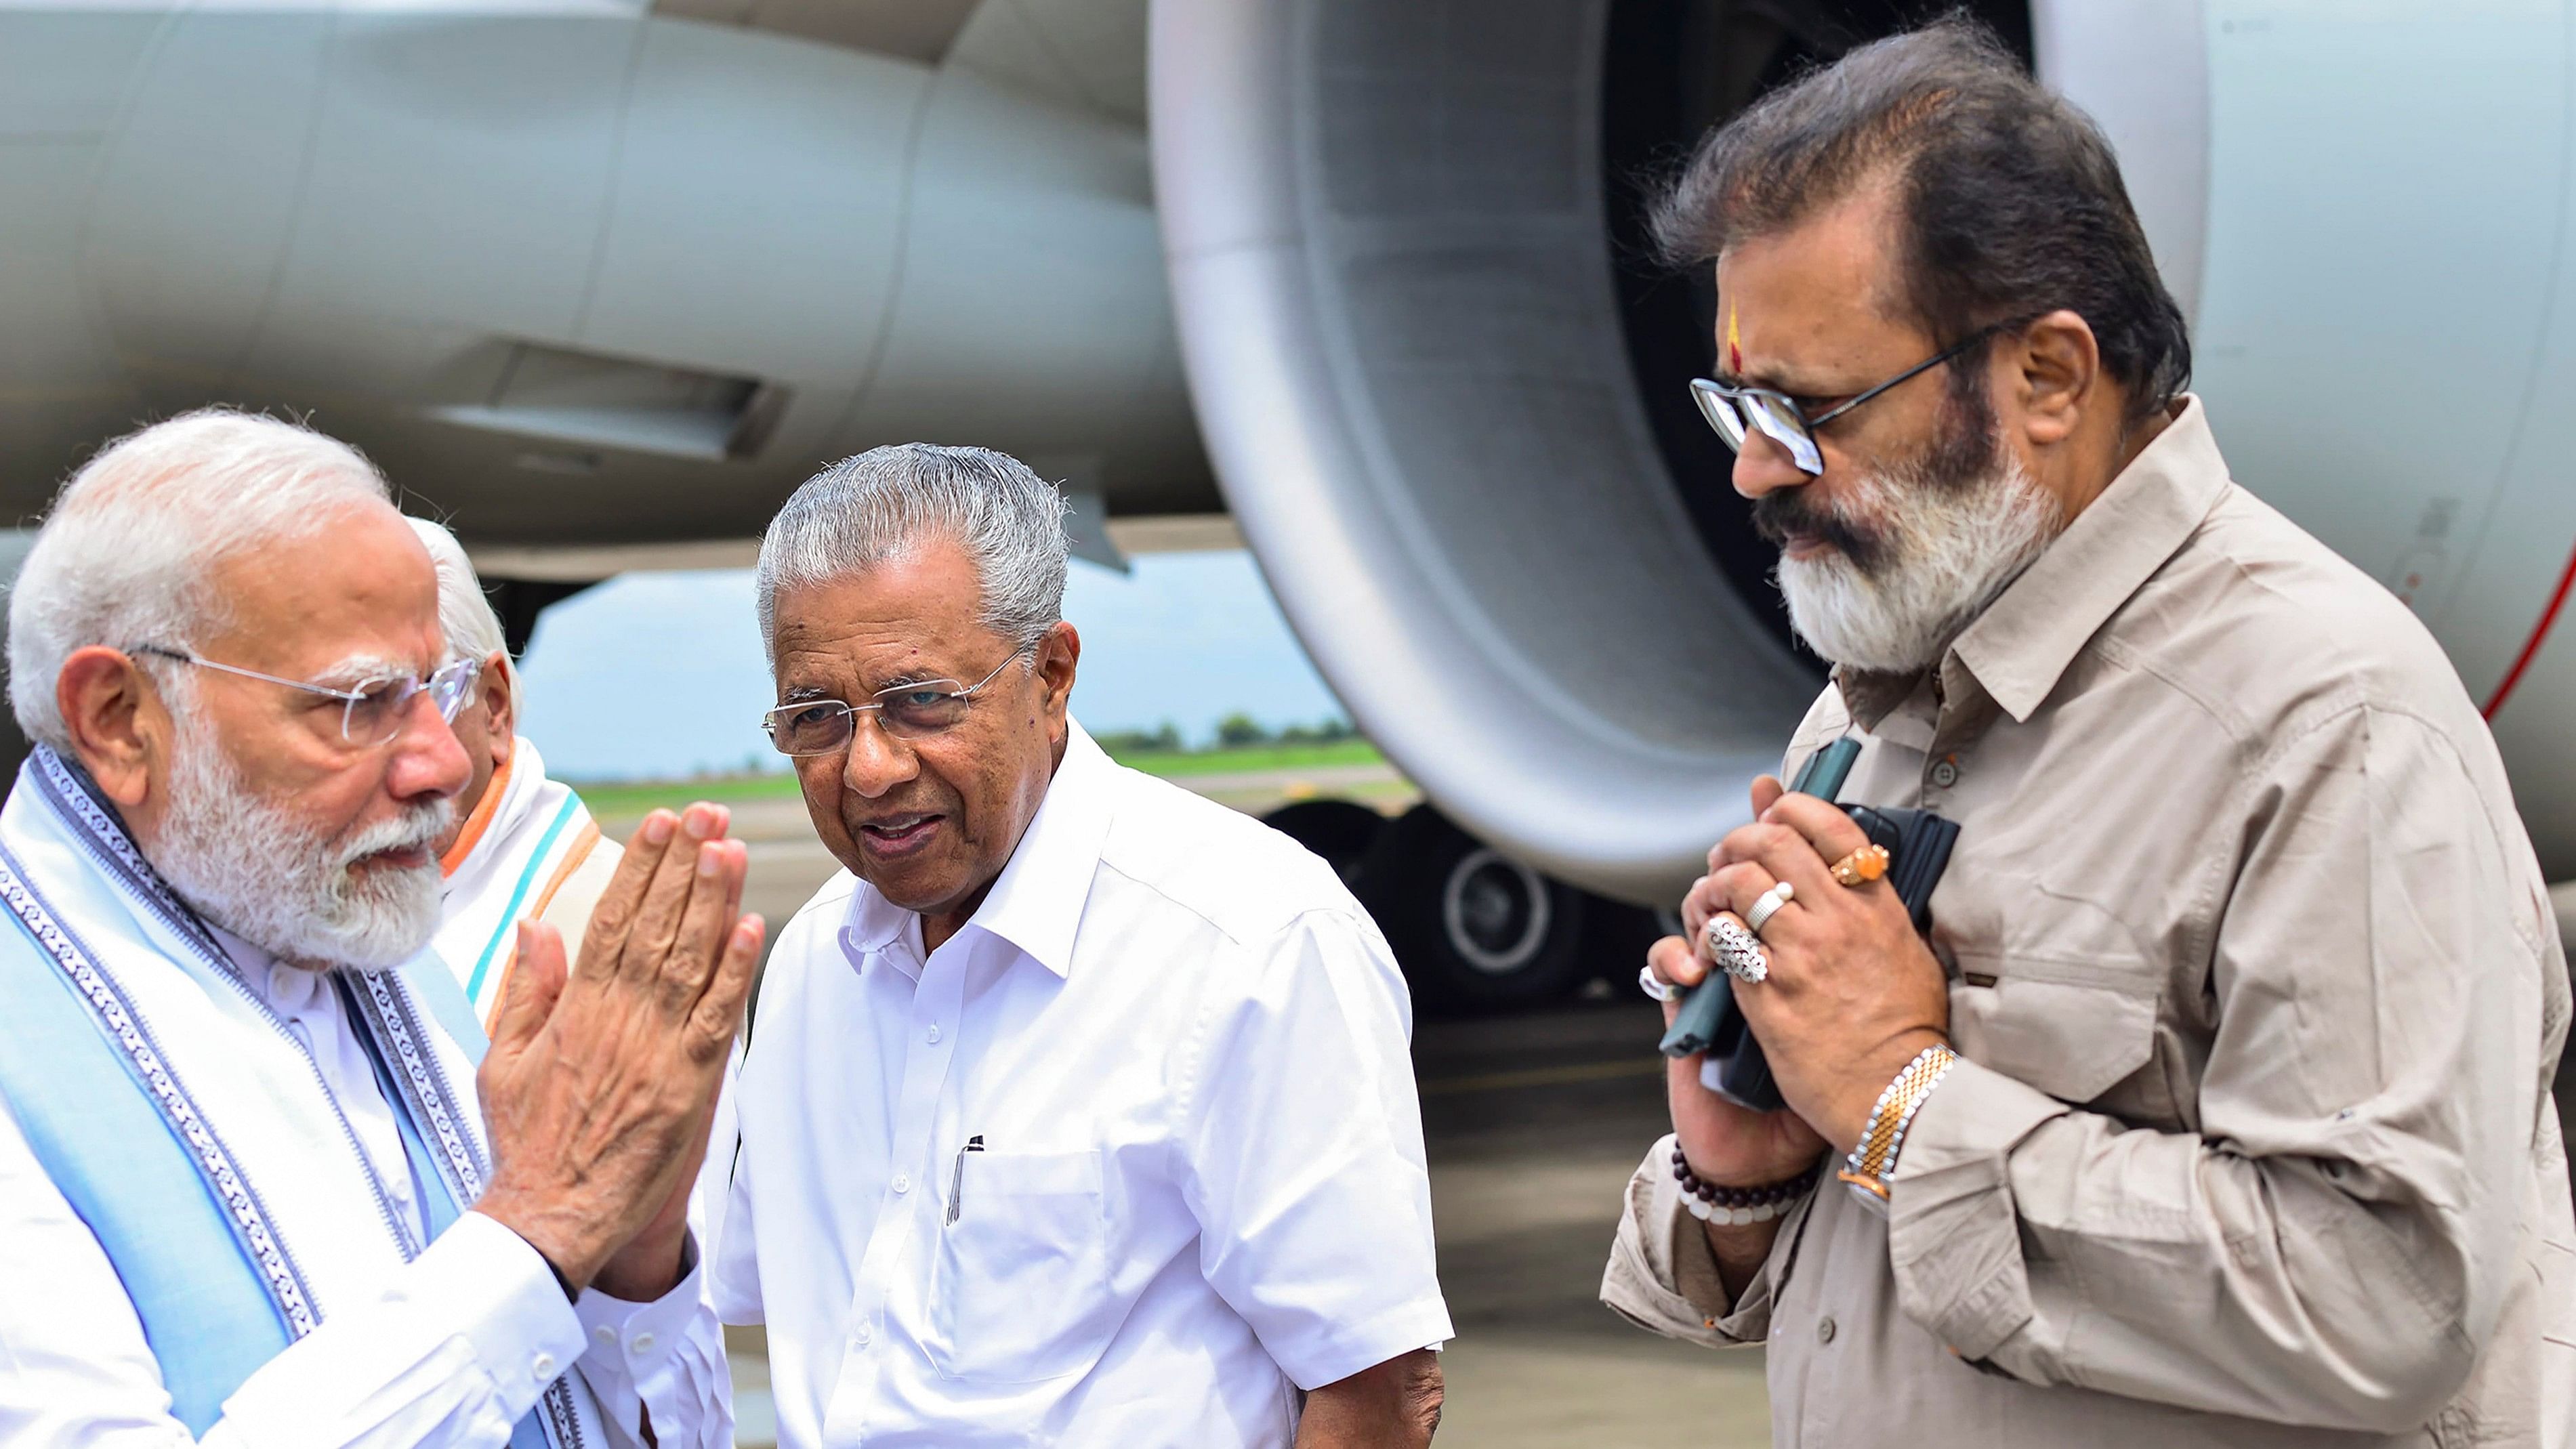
<point>1738,1206</point>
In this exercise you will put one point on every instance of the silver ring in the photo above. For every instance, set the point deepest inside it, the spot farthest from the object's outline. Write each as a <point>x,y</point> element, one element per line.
<point>1768,904</point>
<point>1656,986</point>
<point>1736,952</point>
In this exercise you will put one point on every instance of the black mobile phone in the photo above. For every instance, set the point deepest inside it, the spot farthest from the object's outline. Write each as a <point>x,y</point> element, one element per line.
<point>1918,845</point>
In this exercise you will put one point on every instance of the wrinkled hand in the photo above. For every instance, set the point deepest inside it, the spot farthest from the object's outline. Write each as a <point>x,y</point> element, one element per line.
<point>653,1262</point>
<point>600,1084</point>
<point>1853,993</point>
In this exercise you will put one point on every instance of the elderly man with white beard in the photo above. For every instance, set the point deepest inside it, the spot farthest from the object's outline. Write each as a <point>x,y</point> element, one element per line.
<point>2211,1107</point>
<point>253,1188</point>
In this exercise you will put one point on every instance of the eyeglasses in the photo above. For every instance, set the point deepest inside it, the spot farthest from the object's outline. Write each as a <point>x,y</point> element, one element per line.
<point>374,710</point>
<point>1738,411</point>
<point>905,711</point>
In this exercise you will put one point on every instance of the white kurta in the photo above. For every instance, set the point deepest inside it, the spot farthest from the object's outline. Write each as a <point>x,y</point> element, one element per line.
<point>451,1356</point>
<point>1129,1161</point>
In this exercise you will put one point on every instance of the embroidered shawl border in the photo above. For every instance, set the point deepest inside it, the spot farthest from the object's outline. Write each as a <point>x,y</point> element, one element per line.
<point>392,1015</point>
<point>248,1216</point>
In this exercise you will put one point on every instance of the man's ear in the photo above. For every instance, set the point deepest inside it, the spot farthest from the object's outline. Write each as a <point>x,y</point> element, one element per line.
<point>1058,654</point>
<point>2061,375</point>
<point>118,725</point>
<point>494,685</point>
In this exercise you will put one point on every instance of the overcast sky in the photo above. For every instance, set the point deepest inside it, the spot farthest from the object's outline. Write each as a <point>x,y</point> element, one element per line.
<point>655,676</point>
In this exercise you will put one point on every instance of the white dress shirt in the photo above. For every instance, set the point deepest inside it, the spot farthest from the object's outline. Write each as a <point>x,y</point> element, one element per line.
<point>1126,1162</point>
<point>453,1357</point>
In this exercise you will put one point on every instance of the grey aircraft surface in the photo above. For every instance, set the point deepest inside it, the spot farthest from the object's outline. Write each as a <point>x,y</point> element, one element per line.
<point>604,279</point>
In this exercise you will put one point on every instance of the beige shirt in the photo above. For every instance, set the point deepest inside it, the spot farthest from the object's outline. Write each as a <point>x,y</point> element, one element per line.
<point>2259,995</point>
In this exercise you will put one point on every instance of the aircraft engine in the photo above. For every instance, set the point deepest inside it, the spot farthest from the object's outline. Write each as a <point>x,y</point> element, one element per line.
<point>1445,393</point>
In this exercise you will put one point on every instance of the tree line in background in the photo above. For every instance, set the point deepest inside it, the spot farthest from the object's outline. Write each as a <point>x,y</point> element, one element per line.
<point>1234,732</point>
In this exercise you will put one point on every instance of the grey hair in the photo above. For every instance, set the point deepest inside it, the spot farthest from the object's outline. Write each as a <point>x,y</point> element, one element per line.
<point>126,554</point>
<point>870,510</point>
<point>464,614</point>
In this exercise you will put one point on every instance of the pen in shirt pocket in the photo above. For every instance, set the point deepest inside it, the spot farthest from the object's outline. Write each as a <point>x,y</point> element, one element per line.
<point>957,1182</point>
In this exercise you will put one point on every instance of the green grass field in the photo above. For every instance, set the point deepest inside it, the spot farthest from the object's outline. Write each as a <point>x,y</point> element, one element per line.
<point>1252,759</point>
<point>625,799</point>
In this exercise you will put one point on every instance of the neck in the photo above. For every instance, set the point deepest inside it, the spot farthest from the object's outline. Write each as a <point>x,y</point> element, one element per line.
<point>937,927</point>
<point>2116,454</point>
<point>2134,440</point>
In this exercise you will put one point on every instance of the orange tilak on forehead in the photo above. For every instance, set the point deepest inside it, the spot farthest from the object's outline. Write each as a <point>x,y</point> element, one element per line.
<point>1734,344</point>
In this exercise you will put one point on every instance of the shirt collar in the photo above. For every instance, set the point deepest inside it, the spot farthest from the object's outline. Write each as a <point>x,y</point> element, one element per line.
<point>2021,645</point>
<point>1036,903</point>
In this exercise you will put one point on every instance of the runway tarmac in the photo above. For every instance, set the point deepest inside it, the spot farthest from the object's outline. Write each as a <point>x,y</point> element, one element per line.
<point>1532,1125</point>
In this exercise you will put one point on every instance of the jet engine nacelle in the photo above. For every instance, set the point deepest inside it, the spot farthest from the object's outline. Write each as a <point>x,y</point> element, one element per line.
<point>1446,401</point>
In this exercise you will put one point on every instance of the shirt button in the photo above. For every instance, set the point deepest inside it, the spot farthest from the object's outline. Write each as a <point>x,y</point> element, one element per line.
<point>903,1182</point>
<point>643,1343</point>
<point>862,1336</point>
<point>604,1334</point>
<point>1825,1331</point>
<point>1945,774</point>
<point>934,1036</point>
<point>543,1366</point>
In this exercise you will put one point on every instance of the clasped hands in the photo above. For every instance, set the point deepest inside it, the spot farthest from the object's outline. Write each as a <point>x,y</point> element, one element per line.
<point>600,1085</point>
<point>1852,996</point>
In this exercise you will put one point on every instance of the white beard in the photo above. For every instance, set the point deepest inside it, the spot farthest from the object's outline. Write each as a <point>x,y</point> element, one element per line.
<point>1950,551</point>
<point>247,866</point>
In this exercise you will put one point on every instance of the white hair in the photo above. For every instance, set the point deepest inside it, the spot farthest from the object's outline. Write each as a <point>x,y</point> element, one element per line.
<point>867,511</point>
<point>464,614</point>
<point>125,556</point>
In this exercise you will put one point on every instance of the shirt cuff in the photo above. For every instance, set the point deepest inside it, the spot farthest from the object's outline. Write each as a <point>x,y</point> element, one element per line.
<point>509,1308</point>
<point>1391,1334</point>
<point>1662,1275</point>
<point>632,1345</point>
<point>1954,1232</point>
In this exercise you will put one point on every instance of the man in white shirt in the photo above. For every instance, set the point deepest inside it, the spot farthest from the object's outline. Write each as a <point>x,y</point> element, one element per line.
<point>523,847</point>
<point>1079,1110</point>
<point>253,1189</point>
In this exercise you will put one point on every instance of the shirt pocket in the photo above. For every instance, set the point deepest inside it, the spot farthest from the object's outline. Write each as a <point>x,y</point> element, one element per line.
<point>2060,997</point>
<point>2073,1031</point>
<point>1020,1285</point>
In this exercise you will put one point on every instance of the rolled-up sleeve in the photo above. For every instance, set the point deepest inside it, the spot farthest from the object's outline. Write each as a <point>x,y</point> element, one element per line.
<point>2333,1247</point>
<point>1303,1143</point>
<point>1663,1277</point>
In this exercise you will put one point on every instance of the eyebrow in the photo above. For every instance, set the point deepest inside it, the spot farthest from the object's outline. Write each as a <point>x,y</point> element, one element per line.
<point>1778,382</point>
<point>357,669</point>
<point>807,693</point>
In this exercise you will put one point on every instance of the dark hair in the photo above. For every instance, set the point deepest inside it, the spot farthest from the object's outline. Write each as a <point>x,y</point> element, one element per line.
<point>2011,204</point>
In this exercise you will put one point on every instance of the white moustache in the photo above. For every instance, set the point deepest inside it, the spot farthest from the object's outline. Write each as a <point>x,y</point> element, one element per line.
<point>417,826</point>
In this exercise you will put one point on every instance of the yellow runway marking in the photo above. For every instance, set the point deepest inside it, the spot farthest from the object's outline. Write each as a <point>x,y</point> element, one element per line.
<point>1543,1077</point>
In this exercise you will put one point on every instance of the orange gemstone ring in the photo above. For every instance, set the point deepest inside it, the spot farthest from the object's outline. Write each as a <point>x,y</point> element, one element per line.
<point>1863,865</point>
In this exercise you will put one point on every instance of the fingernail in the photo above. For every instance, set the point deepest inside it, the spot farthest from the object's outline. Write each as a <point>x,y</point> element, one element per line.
<point>696,822</point>
<point>747,934</point>
<point>658,827</point>
<point>708,860</point>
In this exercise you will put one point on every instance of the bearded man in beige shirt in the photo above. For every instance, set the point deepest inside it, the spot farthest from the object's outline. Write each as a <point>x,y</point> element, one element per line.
<point>2214,1109</point>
